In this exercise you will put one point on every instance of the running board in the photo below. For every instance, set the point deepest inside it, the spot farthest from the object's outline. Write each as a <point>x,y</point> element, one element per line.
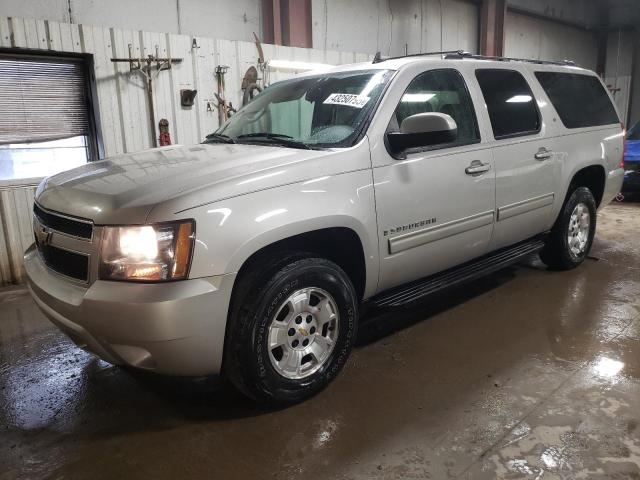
<point>457,275</point>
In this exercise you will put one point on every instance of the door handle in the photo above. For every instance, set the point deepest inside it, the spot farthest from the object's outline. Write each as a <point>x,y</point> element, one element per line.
<point>477,167</point>
<point>543,154</point>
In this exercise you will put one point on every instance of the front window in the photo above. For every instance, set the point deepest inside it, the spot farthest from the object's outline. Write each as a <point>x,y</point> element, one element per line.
<point>327,110</point>
<point>442,91</point>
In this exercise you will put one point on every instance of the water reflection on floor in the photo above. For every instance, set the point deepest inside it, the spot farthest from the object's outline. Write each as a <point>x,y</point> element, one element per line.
<point>526,373</point>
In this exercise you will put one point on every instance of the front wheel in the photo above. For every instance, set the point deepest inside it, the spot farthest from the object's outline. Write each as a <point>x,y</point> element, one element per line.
<point>291,329</point>
<point>572,235</point>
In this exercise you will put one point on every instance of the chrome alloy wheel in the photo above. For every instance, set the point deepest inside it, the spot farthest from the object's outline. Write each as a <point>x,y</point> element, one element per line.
<point>578,231</point>
<point>303,333</point>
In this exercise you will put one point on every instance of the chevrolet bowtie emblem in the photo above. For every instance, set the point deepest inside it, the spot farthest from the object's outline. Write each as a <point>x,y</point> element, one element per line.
<point>303,332</point>
<point>43,235</point>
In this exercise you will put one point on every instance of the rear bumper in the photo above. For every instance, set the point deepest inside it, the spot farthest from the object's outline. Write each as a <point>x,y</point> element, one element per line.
<point>173,328</point>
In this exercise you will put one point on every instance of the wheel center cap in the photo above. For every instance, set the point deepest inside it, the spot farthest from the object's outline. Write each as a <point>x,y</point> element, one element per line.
<point>303,332</point>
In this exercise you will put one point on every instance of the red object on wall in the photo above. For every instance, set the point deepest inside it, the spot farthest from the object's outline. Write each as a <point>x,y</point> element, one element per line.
<point>165,138</point>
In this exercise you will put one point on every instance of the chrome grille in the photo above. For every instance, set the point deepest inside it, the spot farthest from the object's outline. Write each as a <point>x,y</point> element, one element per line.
<point>70,264</point>
<point>65,243</point>
<point>75,227</point>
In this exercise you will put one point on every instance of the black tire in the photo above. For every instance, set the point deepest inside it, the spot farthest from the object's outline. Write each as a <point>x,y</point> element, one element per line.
<point>557,253</point>
<point>257,297</point>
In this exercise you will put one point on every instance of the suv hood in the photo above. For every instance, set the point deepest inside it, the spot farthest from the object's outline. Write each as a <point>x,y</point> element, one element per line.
<point>124,189</point>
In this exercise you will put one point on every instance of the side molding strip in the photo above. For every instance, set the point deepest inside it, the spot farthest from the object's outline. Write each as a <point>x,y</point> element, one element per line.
<point>432,234</point>
<point>525,206</point>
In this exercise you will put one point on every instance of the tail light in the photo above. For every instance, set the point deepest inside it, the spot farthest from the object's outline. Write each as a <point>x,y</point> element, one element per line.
<point>624,145</point>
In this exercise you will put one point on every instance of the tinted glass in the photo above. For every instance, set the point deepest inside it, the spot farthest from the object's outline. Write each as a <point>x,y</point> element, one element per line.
<point>580,100</point>
<point>634,132</point>
<point>511,105</point>
<point>441,91</point>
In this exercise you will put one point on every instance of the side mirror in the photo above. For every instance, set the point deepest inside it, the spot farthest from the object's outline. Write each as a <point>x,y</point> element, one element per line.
<point>422,130</point>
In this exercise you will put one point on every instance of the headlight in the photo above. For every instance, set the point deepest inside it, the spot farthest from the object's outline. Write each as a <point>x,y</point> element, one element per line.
<point>147,253</point>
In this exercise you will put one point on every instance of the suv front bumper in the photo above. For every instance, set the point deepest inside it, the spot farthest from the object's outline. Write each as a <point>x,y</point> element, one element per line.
<point>174,328</point>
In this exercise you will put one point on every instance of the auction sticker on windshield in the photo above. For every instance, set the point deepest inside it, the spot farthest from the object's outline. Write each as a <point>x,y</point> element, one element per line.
<point>347,99</point>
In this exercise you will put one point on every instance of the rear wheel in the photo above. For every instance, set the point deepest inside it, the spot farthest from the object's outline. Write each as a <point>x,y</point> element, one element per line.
<point>572,235</point>
<point>291,328</point>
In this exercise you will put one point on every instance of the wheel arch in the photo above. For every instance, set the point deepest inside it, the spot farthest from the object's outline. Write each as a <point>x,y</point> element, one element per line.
<point>342,245</point>
<point>592,177</point>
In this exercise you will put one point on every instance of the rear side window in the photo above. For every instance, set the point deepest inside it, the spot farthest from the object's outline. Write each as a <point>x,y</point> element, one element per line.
<point>512,108</point>
<point>580,100</point>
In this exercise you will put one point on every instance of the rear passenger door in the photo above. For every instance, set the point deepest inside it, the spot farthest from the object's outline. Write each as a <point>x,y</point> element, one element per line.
<point>524,161</point>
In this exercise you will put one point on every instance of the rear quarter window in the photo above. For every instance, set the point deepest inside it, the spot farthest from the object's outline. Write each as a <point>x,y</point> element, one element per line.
<point>580,100</point>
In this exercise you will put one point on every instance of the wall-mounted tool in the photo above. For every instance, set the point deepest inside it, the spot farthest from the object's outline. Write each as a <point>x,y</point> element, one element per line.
<point>263,64</point>
<point>146,66</point>
<point>187,96</point>
<point>255,79</point>
<point>225,109</point>
<point>250,85</point>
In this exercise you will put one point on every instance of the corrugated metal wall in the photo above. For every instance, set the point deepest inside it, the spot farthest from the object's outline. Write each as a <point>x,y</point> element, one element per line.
<point>16,233</point>
<point>619,69</point>
<point>122,98</point>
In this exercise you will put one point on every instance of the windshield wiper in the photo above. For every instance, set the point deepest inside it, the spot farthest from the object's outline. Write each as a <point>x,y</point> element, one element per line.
<point>275,138</point>
<point>219,138</point>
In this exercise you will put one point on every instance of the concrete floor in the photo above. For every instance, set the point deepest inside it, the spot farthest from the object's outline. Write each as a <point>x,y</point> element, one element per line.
<point>524,374</point>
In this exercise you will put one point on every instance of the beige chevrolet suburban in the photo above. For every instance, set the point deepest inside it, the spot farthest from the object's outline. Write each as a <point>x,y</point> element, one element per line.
<point>251,253</point>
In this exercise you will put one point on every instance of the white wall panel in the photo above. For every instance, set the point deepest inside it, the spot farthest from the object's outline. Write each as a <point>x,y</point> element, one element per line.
<point>208,18</point>
<point>122,99</point>
<point>529,37</point>
<point>5,32</point>
<point>619,69</point>
<point>16,204</point>
<point>391,26</point>
<point>98,41</point>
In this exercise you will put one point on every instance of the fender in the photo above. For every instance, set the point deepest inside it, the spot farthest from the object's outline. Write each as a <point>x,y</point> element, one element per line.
<point>228,232</point>
<point>579,154</point>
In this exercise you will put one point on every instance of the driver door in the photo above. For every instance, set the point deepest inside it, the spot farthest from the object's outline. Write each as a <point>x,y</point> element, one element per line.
<point>434,211</point>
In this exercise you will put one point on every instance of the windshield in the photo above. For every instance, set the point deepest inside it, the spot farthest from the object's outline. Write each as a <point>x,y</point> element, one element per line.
<point>634,132</point>
<point>327,110</point>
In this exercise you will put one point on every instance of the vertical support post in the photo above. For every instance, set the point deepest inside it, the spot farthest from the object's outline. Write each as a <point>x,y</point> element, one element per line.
<point>277,23</point>
<point>492,20</point>
<point>152,113</point>
<point>299,21</point>
<point>267,22</point>
<point>287,22</point>
<point>603,34</point>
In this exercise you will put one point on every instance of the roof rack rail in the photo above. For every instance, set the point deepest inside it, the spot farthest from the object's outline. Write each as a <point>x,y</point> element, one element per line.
<point>458,54</point>
<point>378,56</point>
